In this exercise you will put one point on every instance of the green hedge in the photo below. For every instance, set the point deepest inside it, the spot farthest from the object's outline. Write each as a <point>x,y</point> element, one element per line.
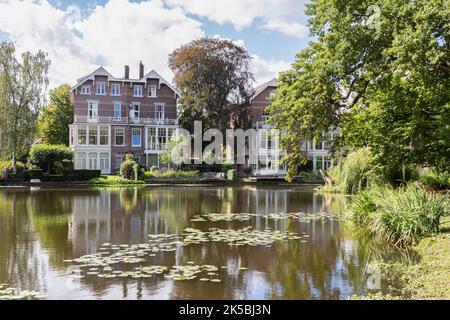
<point>81,174</point>
<point>35,174</point>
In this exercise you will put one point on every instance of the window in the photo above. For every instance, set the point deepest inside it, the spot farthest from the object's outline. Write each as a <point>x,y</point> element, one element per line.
<point>104,161</point>
<point>80,160</point>
<point>327,141</point>
<point>82,135</point>
<point>104,136</point>
<point>86,90</point>
<point>92,133</point>
<point>115,89</point>
<point>159,112</point>
<point>134,113</point>
<point>151,138</point>
<point>136,137</point>
<point>117,111</point>
<point>265,116</point>
<point>263,139</point>
<point>162,138</point>
<point>119,136</point>
<point>137,90</point>
<point>101,88</point>
<point>92,110</point>
<point>272,93</point>
<point>92,160</point>
<point>152,91</point>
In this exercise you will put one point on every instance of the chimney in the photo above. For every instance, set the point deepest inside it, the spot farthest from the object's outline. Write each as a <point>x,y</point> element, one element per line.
<point>141,70</point>
<point>127,72</point>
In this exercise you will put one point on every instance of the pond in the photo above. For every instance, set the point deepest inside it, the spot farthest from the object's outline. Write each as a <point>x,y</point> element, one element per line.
<point>192,242</point>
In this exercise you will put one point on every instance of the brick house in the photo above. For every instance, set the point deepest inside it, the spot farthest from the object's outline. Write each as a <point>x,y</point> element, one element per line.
<point>115,116</point>
<point>269,152</point>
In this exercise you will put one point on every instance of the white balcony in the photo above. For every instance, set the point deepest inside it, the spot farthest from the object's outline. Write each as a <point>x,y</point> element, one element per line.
<point>125,120</point>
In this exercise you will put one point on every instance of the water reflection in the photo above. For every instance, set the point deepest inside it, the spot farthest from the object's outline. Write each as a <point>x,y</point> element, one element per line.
<point>40,229</point>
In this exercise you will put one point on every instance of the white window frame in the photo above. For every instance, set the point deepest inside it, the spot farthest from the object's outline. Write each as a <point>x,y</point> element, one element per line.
<point>116,91</point>
<point>92,111</point>
<point>133,112</point>
<point>152,91</point>
<point>135,87</point>
<point>115,136</point>
<point>100,85</point>
<point>119,104</point>
<point>85,90</point>
<point>265,116</point>
<point>160,114</point>
<point>81,128</point>
<point>133,130</point>
<point>152,141</point>
<point>100,135</point>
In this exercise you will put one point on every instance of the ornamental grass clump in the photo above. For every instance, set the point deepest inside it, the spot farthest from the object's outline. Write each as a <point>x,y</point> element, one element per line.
<point>401,216</point>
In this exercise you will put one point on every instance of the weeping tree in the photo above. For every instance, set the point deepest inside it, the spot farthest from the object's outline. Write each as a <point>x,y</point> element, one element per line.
<point>22,86</point>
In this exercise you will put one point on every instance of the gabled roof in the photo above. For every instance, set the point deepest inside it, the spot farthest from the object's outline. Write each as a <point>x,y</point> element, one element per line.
<point>155,75</point>
<point>103,72</point>
<point>257,90</point>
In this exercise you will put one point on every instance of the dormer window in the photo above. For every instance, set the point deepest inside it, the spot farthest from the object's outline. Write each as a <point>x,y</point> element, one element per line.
<point>152,91</point>
<point>86,90</point>
<point>115,89</point>
<point>137,90</point>
<point>101,88</point>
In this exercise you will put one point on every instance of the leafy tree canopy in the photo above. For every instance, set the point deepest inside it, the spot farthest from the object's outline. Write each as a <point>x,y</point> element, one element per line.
<point>214,79</point>
<point>380,70</point>
<point>54,121</point>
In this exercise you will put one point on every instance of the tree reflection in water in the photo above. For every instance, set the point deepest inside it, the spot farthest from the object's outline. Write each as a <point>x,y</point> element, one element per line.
<point>40,229</point>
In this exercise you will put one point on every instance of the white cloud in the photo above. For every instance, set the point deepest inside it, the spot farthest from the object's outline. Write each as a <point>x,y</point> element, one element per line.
<point>118,33</point>
<point>280,15</point>
<point>265,70</point>
<point>293,29</point>
<point>113,35</point>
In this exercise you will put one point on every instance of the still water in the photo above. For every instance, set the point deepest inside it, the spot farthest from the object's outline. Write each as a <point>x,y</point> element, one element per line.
<point>41,230</point>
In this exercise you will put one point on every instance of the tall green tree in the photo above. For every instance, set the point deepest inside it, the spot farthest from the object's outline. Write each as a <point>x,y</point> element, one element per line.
<point>214,78</point>
<point>22,84</point>
<point>54,121</point>
<point>380,70</point>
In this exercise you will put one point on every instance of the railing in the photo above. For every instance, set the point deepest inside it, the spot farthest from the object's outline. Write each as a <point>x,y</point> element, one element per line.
<point>157,146</point>
<point>124,120</point>
<point>263,125</point>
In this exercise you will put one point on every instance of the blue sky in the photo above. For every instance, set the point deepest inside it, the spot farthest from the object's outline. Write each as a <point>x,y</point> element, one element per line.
<point>80,35</point>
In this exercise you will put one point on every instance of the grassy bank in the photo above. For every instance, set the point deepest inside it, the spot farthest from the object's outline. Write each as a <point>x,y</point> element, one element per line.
<point>115,181</point>
<point>427,279</point>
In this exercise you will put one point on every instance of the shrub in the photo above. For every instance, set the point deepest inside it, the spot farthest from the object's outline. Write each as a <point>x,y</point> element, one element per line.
<point>310,175</point>
<point>67,164</point>
<point>118,182</point>
<point>154,169</point>
<point>170,174</point>
<point>7,165</point>
<point>226,166</point>
<point>431,177</point>
<point>47,157</point>
<point>35,174</point>
<point>402,216</point>
<point>248,170</point>
<point>80,175</point>
<point>231,175</point>
<point>129,168</point>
